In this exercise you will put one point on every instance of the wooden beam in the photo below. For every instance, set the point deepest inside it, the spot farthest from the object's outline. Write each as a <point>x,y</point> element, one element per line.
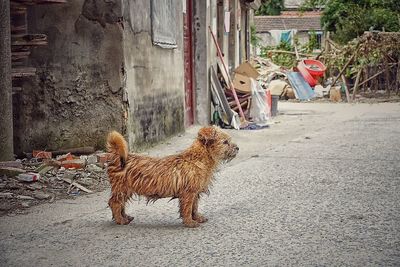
<point>289,52</point>
<point>22,72</point>
<point>346,89</point>
<point>376,74</point>
<point>19,55</point>
<point>28,39</point>
<point>39,2</point>
<point>357,83</point>
<point>76,151</point>
<point>345,66</point>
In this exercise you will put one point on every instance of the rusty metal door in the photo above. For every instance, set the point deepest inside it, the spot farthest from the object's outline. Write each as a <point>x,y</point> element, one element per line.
<point>188,62</point>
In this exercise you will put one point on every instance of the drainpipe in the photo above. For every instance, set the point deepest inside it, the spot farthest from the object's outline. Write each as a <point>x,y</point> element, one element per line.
<point>6,122</point>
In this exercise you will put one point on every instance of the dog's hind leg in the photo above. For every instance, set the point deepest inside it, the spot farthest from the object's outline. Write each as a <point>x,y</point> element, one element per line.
<point>126,216</point>
<point>195,214</point>
<point>117,205</point>
<point>186,207</point>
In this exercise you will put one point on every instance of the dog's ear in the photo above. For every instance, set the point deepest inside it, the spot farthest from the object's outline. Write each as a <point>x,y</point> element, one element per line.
<point>207,135</point>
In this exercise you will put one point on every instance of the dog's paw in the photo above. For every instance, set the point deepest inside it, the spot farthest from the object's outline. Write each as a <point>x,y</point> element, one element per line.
<point>200,219</point>
<point>129,218</point>
<point>123,221</point>
<point>191,224</point>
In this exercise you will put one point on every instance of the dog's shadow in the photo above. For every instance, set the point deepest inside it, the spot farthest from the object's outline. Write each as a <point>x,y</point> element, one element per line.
<point>145,226</point>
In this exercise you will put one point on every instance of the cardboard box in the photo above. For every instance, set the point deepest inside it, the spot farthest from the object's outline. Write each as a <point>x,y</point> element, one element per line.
<point>241,80</point>
<point>334,94</point>
<point>247,70</point>
<point>242,83</point>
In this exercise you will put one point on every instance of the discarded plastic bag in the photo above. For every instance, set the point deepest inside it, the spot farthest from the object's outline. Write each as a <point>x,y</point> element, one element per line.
<point>259,110</point>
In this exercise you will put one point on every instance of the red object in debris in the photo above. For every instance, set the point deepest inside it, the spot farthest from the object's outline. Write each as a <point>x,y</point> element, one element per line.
<point>41,154</point>
<point>269,101</point>
<point>307,76</point>
<point>28,177</point>
<point>69,162</point>
<point>311,70</point>
<point>314,67</point>
<point>102,159</point>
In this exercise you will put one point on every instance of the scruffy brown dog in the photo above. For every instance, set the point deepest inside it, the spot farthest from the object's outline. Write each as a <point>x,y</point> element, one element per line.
<point>184,176</point>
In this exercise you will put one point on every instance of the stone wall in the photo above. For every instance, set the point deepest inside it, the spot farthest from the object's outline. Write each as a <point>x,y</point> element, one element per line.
<point>154,76</point>
<point>76,97</point>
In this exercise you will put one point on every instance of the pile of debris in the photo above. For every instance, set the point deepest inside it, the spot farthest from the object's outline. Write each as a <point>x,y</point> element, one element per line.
<point>47,176</point>
<point>239,103</point>
<point>369,66</point>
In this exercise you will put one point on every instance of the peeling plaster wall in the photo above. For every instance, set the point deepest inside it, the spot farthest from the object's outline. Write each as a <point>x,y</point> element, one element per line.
<point>77,95</point>
<point>154,78</point>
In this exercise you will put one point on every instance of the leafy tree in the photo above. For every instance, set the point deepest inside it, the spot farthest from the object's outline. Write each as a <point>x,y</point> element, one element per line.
<point>348,19</point>
<point>270,8</point>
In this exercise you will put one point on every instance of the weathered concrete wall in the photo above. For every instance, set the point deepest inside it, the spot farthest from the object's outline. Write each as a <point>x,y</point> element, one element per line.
<point>205,55</point>
<point>6,129</point>
<point>77,96</point>
<point>154,77</point>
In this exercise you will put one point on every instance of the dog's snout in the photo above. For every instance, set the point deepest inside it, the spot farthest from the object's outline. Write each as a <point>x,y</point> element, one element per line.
<point>237,148</point>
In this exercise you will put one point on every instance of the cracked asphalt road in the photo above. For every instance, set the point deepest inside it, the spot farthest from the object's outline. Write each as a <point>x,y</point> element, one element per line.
<point>321,187</point>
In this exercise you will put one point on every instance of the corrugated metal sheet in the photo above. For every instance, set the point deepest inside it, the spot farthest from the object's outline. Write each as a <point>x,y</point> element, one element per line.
<point>302,89</point>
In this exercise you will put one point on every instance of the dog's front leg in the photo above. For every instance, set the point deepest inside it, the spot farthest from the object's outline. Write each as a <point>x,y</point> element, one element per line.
<point>117,205</point>
<point>195,214</point>
<point>186,208</point>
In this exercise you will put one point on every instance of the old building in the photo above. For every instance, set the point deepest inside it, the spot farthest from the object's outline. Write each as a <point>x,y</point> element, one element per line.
<point>140,67</point>
<point>291,24</point>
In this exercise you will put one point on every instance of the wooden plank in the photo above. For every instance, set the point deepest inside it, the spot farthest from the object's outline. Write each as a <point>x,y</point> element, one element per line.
<point>39,2</point>
<point>23,72</point>
<point>346,89</point>
<point>219,53</point>
<point>346,65</point>
<point>356,84</point>
<point>290,53</point>
<point>81,187</point>
<point>18,29</point>
<point>28,39</point>
<point>218,93</point>
<point>19,55</point>
<point>376,74</point>
<point>76,151</point>
<point>13,164</point>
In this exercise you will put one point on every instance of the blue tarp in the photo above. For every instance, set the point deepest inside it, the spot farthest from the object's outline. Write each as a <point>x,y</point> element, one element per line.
<point>302,89</point>
<point>286,37</point>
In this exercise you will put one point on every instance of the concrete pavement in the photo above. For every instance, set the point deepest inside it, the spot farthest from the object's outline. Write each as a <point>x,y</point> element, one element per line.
<point>319,188</point>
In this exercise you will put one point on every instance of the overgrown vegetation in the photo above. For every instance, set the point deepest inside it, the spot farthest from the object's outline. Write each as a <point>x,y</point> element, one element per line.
<point>270,8</point>
<point>289,60</point>
<point>366,51</point>
<point>350,19</point>
<point>281,59</point>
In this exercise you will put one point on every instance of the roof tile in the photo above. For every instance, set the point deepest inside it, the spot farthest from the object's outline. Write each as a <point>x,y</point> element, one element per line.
<point>301,23</point>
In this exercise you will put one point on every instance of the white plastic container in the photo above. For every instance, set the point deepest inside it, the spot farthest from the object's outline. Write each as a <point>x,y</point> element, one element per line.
<point>28,177</point>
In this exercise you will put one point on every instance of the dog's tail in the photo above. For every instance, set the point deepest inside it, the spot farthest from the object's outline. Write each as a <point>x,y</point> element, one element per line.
<point>117,145</point>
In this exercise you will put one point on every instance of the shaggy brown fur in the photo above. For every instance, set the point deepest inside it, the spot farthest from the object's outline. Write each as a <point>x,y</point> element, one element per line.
<point>185,175</point>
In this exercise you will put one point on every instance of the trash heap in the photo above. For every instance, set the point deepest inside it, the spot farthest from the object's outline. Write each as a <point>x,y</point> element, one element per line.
<point>367,67</point>
<point>47,176</point>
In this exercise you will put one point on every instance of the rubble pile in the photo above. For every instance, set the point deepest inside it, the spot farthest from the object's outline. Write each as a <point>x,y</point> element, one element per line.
<point>44,178</point>
<point>368,67</point>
